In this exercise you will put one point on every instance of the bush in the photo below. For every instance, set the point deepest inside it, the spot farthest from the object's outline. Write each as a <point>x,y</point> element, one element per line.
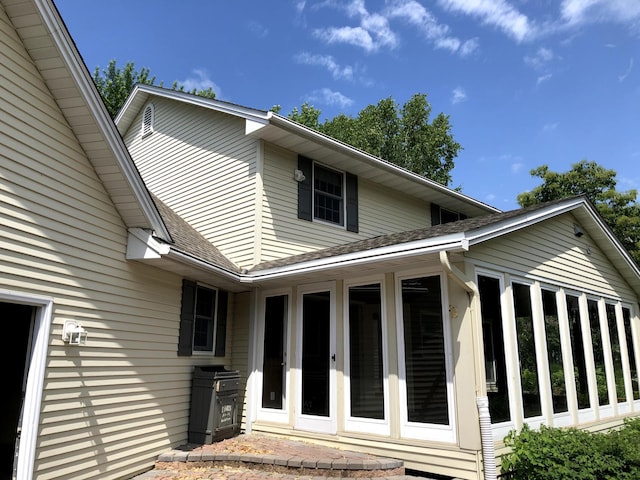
<point>570,453</point>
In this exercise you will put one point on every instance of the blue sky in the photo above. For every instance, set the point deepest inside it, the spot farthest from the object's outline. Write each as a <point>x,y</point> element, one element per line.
<point>524,82</point>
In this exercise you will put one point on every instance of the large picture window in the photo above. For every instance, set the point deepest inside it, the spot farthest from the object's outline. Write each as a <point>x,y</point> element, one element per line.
<point>631,353</point>
<point>554,352</point>
<point>598,353</point>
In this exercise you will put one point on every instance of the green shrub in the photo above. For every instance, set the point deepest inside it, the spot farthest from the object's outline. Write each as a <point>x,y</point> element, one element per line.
<point>573,454</point>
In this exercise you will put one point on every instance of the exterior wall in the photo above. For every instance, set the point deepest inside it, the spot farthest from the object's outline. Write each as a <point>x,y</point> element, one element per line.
<point>381,211</point>
<point>459,458</point>
<point>201,165</point>
<point>549,256</point>
<point>552,252</point>
<point>111,406</point>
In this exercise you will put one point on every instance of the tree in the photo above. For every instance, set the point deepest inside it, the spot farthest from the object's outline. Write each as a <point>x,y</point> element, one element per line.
<point>620,210</point>
<point>115,84</point>
<point>401,135</point>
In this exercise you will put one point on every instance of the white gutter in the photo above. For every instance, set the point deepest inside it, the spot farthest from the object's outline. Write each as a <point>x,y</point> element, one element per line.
<point>420,247</point>
<point>482,401</point>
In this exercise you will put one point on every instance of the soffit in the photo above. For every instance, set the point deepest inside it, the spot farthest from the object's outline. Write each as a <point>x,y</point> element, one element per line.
<point>49,45</point>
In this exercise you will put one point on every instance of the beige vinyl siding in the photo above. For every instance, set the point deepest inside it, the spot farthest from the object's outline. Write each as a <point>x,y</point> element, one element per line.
<point>240,349</point>
<point>201,164</point>
<point>381,211</point>
<point>109,407</point>
<point>551,251</point>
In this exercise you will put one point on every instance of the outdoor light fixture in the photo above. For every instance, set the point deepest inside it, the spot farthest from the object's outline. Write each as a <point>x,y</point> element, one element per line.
<point>73,333</point>
<point>299,176</point>
<point>577,230</point>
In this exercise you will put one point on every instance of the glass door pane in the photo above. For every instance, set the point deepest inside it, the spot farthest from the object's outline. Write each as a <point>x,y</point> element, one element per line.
<point>577,349</point>
<point>274,362</point>
<point>598,353</point>
<point>554,352</point>
<point>316,322</point>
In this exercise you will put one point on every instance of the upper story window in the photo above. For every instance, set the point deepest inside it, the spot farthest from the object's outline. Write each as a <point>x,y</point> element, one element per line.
<point>148,118</point>
<point>440,215</point>
<point>203,320</point>
<point>327,195</point>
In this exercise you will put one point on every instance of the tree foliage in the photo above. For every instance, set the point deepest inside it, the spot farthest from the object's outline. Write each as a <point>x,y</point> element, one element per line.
<point>115,84</point>
<point>620,210</point>
<point>403,135</point>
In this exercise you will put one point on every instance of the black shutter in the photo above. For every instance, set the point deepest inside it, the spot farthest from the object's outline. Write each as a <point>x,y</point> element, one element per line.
<point>435,214</point>
<point>221,324</point>
<point>352,202</point>
<point>305,189</point>
<point>187,315</point>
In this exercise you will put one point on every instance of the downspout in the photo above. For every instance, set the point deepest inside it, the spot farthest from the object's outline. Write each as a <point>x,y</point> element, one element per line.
<point>482,401</point>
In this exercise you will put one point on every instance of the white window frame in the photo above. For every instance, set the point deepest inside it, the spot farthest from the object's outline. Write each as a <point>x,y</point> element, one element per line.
<point>343,213</point>
<point>424,431</point>
<point>272,414</point>
<point>357,424</point>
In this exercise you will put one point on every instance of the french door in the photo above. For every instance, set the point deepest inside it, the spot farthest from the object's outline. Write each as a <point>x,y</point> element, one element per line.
<point>316,359</point>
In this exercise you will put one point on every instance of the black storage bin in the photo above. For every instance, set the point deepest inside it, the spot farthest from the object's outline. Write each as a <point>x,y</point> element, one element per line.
<point>214,404</point>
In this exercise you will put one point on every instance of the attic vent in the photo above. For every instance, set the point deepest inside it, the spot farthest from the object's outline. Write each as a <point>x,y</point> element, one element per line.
<point>147,120</point>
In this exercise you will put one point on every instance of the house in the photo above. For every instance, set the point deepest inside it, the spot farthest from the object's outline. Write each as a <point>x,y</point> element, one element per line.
<point>364,306</point>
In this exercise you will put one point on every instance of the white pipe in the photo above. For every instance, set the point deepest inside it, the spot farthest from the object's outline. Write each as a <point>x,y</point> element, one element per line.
<point>482,401</point>
<point>486,434</point>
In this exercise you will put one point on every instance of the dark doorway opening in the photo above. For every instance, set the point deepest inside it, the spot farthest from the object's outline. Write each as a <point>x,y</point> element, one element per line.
<point>17,320</point>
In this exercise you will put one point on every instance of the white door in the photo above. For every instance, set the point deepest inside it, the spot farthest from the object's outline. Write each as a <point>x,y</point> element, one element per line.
<point>316,359</point>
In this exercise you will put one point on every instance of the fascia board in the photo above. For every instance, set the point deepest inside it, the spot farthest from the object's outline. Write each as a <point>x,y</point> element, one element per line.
<point>204,102</point>
<point>454,242</point>
<point>294,127</point>
<point>508,226</point>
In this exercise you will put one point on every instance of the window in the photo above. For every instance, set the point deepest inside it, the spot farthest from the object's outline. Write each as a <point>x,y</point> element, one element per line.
<point>493,337</point>
<point>366,375</point>
<point>527,351</point>
<point>148,120</point>
<point>441,215</point>
<point>426,379</point>
<point>626,318</point>
<point>203,320</point>
<point>327,195</point>
<point>614,341</point>
<point>554,352</point>
<point>577,349</point>
<point>598,353</point>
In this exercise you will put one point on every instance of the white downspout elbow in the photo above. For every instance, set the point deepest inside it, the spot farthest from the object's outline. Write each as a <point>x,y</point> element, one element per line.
<point>482,401</point>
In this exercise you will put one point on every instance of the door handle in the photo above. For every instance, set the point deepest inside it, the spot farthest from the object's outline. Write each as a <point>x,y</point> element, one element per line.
<point>333,357</point>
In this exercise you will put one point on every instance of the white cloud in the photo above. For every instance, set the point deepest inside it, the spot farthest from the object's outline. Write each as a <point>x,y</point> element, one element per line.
<point>550,127</point>
<point>327,96</point>
<point>356,36</point>
<point>542,57</point>
<point>517,167</point>
<point>415,14</point>
<point>458,95</point>
<point>498,13</point>
<point>328,62</point>
<point>623,77</point>
<point>200,80</point>
<point>543,78</point>
<point>590,11</point>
